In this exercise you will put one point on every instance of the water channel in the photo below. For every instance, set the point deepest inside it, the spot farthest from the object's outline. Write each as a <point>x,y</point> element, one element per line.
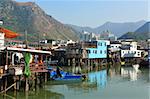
<point>103,84</point>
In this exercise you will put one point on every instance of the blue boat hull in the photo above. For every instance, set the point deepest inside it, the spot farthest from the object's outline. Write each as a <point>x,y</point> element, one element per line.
<point>69,77</point>
<point>65,76</point>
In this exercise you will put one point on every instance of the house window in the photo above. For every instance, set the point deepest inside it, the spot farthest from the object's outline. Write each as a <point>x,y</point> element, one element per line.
<point>100,51</point>
<point>100,44</point>
<point>88,51</point>
<point>105,51</point>
<point>105,43</point>
<point>95,51</point>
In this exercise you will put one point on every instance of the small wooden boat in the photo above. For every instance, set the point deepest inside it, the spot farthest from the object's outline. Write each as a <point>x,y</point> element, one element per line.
<point>65,76</point>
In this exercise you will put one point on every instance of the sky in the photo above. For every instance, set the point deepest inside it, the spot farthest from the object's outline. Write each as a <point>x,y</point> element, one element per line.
<point>94,13</point>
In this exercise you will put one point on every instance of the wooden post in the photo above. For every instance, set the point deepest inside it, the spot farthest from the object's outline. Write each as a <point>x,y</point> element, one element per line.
<point>89,66</point>
<point>5,68</point>
<point>26,95</point>
<point>46,61</point>
<point>5,84</point>
<point>45,77</point>
<point>1,84</point>
<point>26,84</point>
<point>86,64</point>
<point>35,81</point>
<point>15,86</point>
<point>6,64</point>
<point>17,83</point>
<point>26,38</point>
<point>69,62</point>
<point>97,64</point>
<point>41,80</point>
<point>42,57</point>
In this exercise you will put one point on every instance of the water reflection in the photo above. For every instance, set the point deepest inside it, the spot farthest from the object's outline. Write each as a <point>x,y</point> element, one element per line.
<point>95,81</point>
<point>41,94</point>
<point>83,87</point>
<point>114,70</point>
<point>110,83</point>
<point>99,78</point>
<point>115,82</point>
<point>132,72</point>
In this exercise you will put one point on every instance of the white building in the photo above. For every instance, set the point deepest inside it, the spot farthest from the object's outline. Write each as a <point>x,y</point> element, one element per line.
<point>129,49</point>
<point>86,36</point>
<point>107,35</point>
<point>2,39</point>
<point>131,53</point>
<point>115,46</point>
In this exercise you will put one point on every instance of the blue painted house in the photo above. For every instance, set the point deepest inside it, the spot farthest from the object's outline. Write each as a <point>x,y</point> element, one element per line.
<point>97,49</point>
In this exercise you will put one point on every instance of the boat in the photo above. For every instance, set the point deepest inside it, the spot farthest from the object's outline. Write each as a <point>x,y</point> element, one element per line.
<point>69,78</point>
<point>65,76</point>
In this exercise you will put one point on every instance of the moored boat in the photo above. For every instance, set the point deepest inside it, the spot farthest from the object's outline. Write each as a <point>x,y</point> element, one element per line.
<point>65,76</point>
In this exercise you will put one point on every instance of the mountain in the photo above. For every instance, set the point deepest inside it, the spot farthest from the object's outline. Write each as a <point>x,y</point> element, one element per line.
<point>141,33</point>
<point>21,16</point>
<point>80,29</point>
<point>118,29</point>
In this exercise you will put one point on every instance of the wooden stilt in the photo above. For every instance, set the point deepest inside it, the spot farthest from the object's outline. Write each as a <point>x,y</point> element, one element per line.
<point>18,85</point>
<point>5,84</point>
<point>45,77</point>
<point>15,86</point>
<point>35,81</point>
<point>41,80</point>
<point>1,85</point>
<point>26,84</point>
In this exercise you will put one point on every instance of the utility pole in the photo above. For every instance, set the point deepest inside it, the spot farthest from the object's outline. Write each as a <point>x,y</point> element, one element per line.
<point>38,40</point>
<point>26,38</point>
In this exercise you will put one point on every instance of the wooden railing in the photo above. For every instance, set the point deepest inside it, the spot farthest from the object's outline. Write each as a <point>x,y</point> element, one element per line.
<point>40,67</point>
